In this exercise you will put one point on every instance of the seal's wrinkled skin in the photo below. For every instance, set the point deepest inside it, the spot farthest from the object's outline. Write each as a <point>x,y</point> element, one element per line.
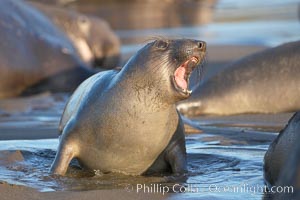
<point>127,121</point>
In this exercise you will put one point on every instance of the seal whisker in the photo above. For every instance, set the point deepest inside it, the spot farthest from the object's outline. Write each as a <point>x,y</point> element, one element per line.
<point>200,70</point>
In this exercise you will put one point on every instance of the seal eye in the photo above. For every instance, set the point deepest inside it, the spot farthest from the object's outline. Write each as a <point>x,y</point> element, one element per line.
<point>161,44</point>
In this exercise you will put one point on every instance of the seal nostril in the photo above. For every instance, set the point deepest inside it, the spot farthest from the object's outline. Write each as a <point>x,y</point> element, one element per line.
<point>201,45</point>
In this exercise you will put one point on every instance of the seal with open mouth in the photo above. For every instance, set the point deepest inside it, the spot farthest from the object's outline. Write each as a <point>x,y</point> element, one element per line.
<point>182,75</point>
<point>127,121</point>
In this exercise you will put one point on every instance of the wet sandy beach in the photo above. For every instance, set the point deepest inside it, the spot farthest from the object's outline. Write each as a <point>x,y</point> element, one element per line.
<point>227,150</point>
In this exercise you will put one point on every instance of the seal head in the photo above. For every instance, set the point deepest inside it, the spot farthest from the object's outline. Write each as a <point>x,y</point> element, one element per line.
<point>193,57</point>
<point>170,64</point>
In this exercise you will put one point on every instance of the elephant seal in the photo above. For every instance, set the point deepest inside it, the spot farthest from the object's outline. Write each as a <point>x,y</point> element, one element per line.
<point>92,37</point>
<point>127,121</point>
<point>34,55</point>
<point>250,85</point>
<point>280,150</point>
<point>281,161</point>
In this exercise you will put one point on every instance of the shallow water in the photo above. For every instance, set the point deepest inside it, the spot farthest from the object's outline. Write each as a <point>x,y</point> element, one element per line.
<point>228,153</point>
<point>208,163</point>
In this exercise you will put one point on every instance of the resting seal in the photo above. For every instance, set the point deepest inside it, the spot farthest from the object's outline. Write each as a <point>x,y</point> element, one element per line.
<point>95,42</point>
<point>34,54</point>
<point>127,121</point>
<point>250,85</point>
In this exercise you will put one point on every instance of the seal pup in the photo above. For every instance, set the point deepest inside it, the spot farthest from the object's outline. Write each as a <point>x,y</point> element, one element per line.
<point>94,40</point>
<point>34,55</point>
<point>127,121</point>
<point>264,82</point>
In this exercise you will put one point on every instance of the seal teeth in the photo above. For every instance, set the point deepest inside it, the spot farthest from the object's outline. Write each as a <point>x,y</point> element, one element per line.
<point>183,73</point>
<point>195,59</point>
<point>187,91</point>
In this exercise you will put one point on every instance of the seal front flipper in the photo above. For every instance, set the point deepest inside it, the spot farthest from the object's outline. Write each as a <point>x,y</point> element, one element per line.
<point>173,158</point>
<point>65,153</point>
<point>176,152</point>
<point>62,159</point>
<point>176,157</point>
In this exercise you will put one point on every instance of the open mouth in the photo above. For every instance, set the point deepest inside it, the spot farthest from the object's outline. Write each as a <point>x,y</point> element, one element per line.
<point>182,75</point>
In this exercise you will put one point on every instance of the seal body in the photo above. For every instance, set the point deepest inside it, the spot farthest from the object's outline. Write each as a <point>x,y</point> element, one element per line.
<point>281,150</point>
<point>95,42</point>
<point>250,85</point>
<point>282,161</point>
<point>127,121</point>
<point>33,50</point>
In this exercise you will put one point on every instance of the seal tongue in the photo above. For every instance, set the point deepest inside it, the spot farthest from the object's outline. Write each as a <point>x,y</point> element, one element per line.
<point>179,77</point>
